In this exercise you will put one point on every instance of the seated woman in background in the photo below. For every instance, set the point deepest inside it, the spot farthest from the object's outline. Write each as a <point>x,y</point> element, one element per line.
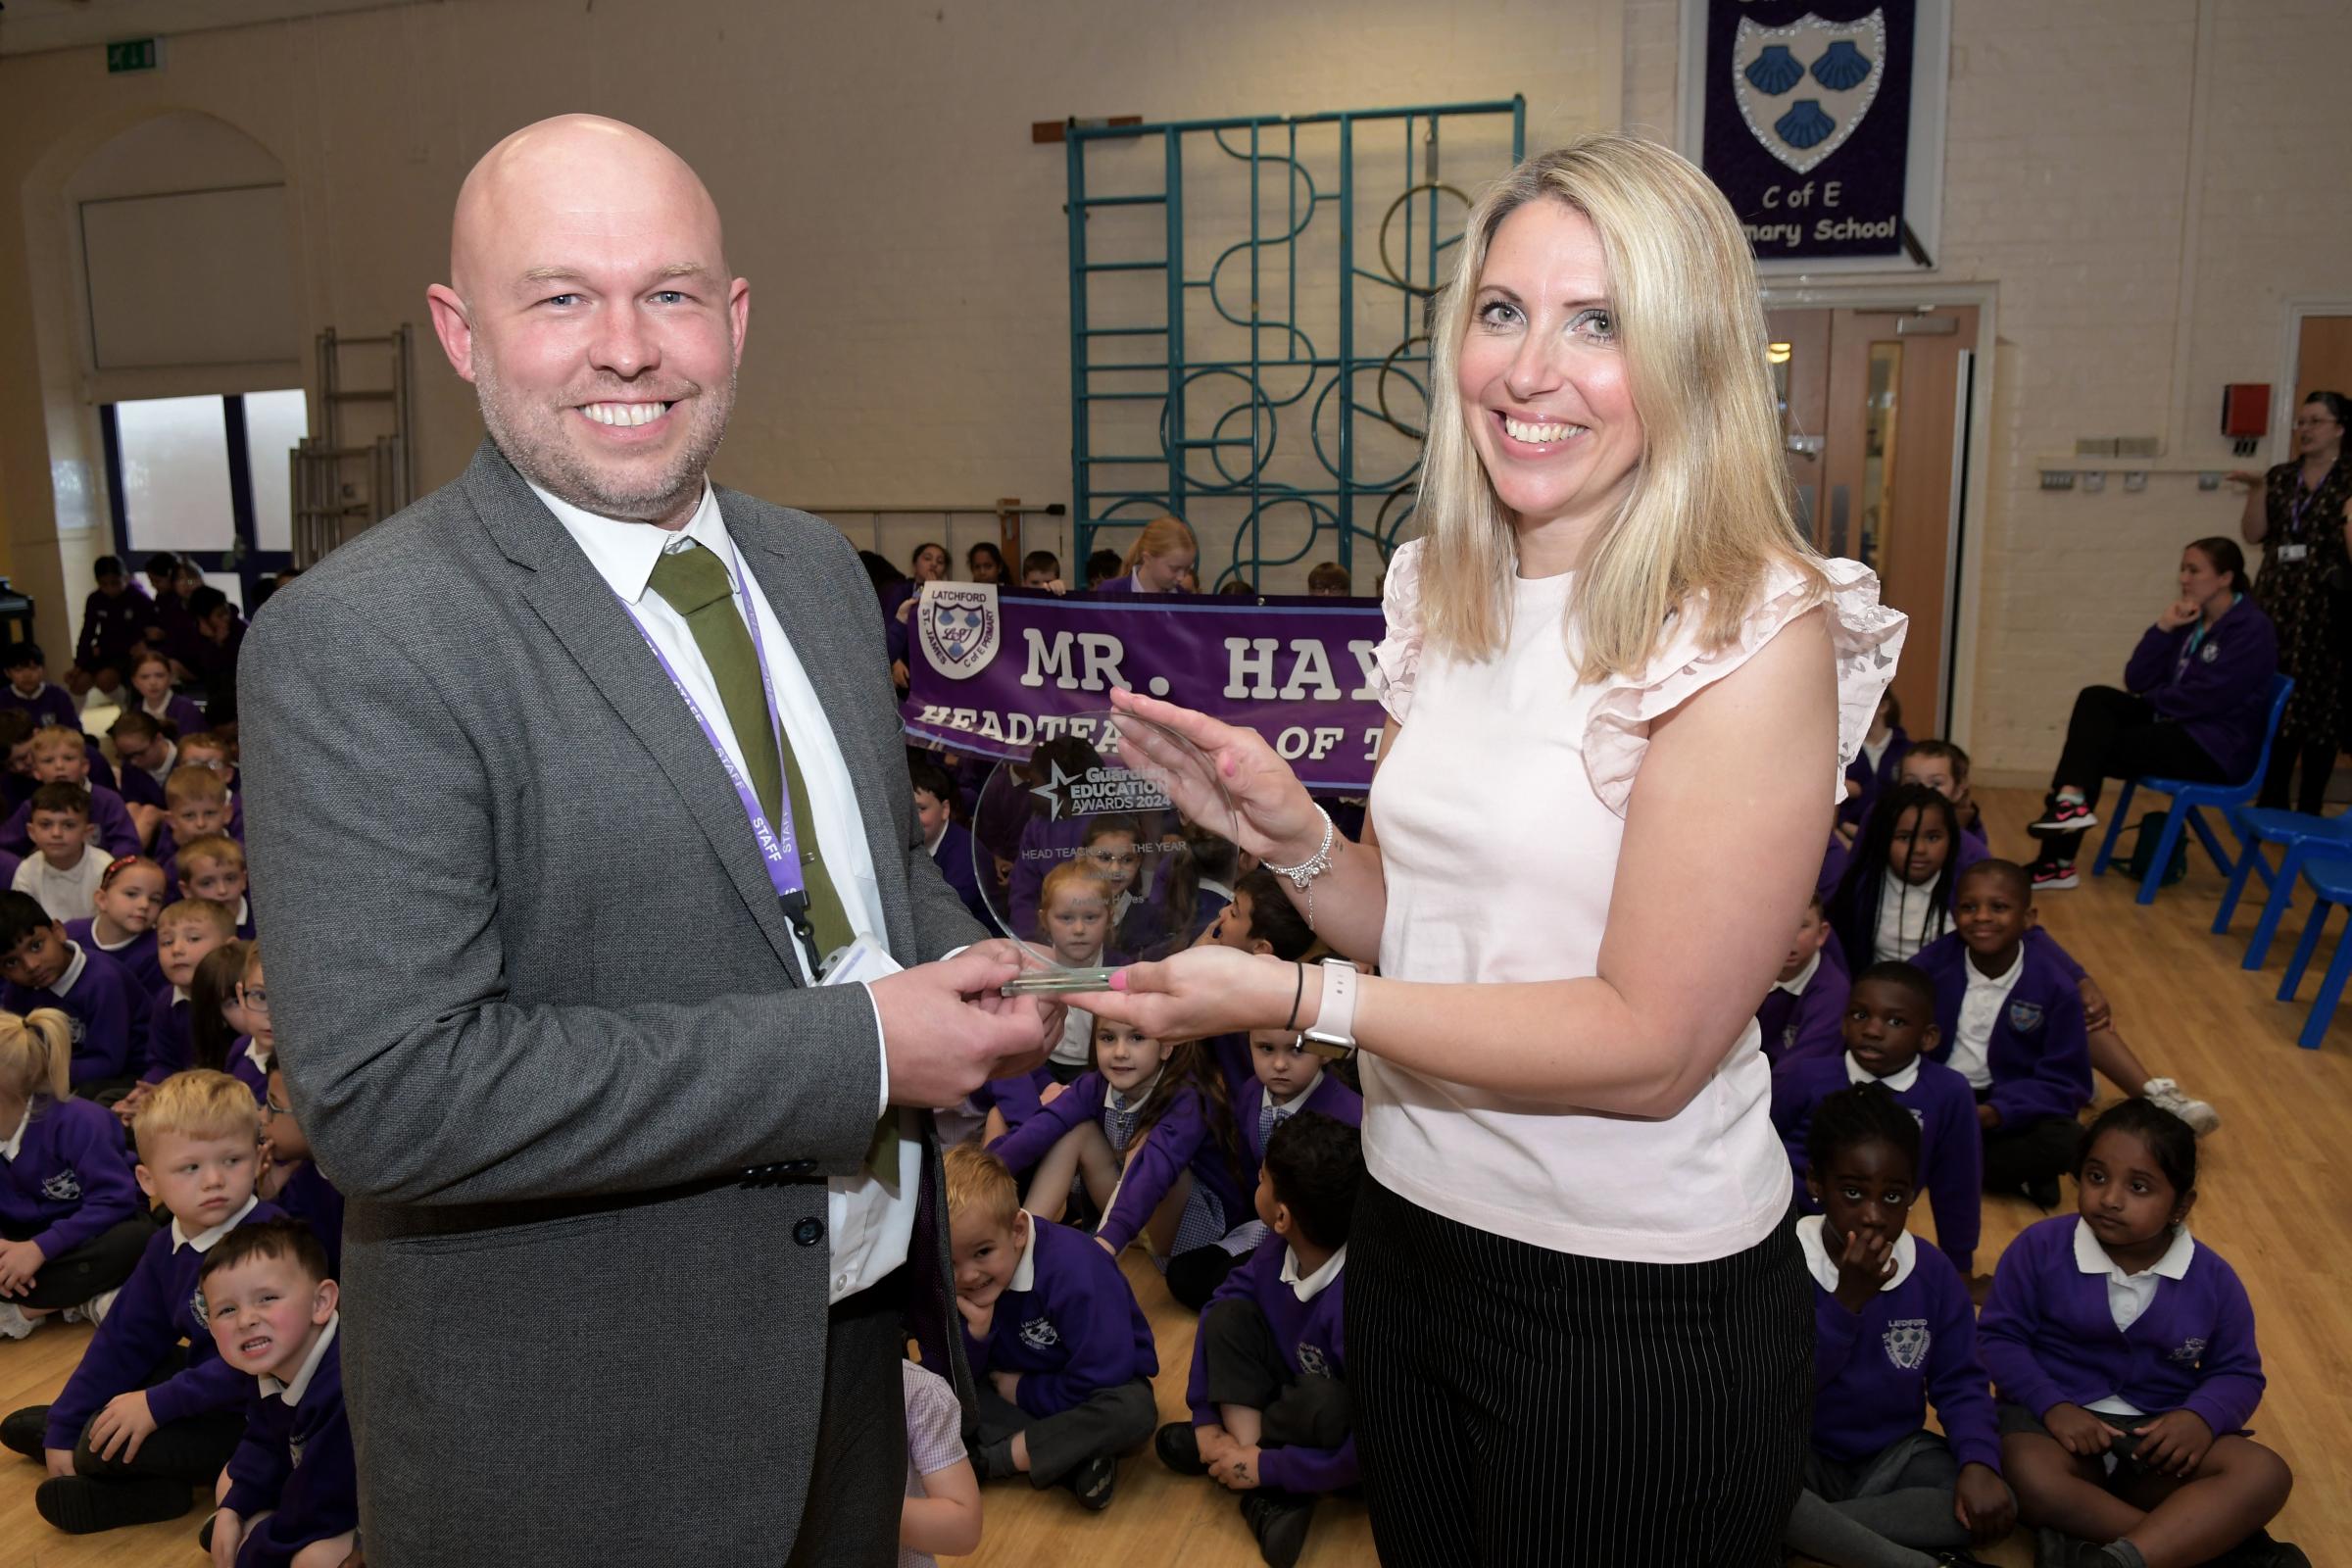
<point>2195,701</point>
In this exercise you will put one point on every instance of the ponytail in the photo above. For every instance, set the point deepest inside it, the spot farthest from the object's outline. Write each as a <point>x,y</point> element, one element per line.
<point>36,1053</point>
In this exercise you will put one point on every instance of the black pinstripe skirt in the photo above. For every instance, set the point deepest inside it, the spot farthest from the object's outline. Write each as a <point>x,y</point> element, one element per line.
<point>1518,1407</point>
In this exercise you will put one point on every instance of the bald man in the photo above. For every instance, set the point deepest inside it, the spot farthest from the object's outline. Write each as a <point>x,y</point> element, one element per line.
<point>640,1215</point>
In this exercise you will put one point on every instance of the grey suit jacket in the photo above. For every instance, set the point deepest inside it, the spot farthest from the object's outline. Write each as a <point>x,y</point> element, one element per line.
<point>532,993</point>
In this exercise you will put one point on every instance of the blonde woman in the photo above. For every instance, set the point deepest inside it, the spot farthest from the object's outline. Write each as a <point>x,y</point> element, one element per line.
<point>1621,691</point>
<point>1158,560</point>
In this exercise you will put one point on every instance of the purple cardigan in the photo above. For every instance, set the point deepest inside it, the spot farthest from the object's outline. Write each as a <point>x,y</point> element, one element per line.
<point>2050,1339</point>
<point>1875,781</point>
<point>1330,1098</point>
<point>71,1180</point>
<point>297,1462</point>
<point>2217,691</point>
<point>2038,1054</point>
<point>1951,1153</point>
<point>1811,1023</point>
<point>1077,1329</point>
<point>108,1014</point>
<point>1874,1371</point>
<point>1181,1140</point>
<point>156,1309</point>
<point>137,956</point>
<point>1303,1331</point>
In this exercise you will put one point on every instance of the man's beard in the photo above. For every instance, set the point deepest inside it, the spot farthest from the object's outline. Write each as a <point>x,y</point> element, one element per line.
<point>530,436</point>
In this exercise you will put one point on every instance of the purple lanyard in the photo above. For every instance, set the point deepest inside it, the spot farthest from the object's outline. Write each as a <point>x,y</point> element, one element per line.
<point>779,844</point>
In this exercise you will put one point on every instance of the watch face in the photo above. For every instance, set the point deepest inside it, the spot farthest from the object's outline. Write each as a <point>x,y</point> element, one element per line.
<point>1112,837</point>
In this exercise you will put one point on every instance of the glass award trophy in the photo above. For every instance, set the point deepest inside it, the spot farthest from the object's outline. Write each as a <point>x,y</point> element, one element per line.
<point>1104,847</point>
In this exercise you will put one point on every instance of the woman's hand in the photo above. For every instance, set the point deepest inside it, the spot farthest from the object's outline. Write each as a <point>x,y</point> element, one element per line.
<point>1201,992</point>
<point>2180,613</point>
<point>1264,808</point>
<point>2246,477</point>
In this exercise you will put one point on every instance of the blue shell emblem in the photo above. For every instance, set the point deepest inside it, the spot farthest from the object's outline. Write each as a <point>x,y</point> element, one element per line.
<point>1805,124</point>
<point>1776,70</point>
<point>959,627</point>
<point>2025,1016</point>
<point>1840,66</point>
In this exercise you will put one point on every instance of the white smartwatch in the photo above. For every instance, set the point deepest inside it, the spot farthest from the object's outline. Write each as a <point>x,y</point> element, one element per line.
<point>1335,1016</point>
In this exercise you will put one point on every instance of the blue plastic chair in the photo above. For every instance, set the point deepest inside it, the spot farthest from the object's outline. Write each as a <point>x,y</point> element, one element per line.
<point>2186,798</point>
<point>2330,873</point>
<point>2295,834</point>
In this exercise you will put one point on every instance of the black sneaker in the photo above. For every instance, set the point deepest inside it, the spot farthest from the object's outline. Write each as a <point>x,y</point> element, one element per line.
<point>2260,1550</point>
<point>1091,1482</point>
<point>1278,1521</point>
<point>1178,1445</point>
<point>80,1507</point>
<point>22,1431</point>
<point>2052,877</point>
<point>993,1462</point>
<point>2063,817</point>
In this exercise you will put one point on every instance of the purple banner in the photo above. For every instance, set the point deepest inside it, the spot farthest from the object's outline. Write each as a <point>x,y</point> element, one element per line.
<point>995,671</point>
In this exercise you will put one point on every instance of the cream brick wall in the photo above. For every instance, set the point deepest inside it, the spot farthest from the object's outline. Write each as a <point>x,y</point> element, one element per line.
<point>904,240</point>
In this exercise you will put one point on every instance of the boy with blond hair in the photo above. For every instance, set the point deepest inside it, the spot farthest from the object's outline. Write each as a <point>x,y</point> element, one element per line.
<point>141,1423</point>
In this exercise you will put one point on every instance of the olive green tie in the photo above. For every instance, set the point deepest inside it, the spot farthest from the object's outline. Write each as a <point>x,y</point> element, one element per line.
<point>695,583</point>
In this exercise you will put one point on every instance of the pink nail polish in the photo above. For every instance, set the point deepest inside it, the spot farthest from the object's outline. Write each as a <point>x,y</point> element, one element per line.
<point>1118,980</point>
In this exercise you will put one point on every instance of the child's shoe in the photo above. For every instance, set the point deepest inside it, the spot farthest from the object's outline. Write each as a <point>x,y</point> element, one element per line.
<point>93,1311</point>
<point>23,1430</point>
<point>1178,1445</point>
<point>2201,1117</point>
<point>80,1507</point>
<point>1278,1522</point>
<point>14,1324</point>
<point>2053,877</point>
<point>1091,1482</point>
<point>2063,817</point>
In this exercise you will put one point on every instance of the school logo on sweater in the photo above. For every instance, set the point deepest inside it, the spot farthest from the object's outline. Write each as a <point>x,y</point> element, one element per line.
<point>197,1315</point>
<point>2025,1016</point>
<point>1311,1363</point>
<point>63,1188</point>
<point>960,626</point>
<point>2209,651</point>
<point>294,1450</point>
<point>76,1029</point>
<point>1907,1341</point>
<point>1039,1334</point>
<point>2188,1351</point>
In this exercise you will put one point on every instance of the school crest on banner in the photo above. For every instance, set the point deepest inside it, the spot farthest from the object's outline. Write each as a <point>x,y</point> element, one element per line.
<point>1907,1339</point>
<point>1804,89</point>
<point>958,626</point>
<point>1807,122</point>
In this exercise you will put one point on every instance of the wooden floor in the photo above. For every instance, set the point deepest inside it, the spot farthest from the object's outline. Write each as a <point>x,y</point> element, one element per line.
<point>2277,1201</point>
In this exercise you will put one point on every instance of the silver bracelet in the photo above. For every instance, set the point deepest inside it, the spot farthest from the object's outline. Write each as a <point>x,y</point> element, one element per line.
<point>1302,875</point>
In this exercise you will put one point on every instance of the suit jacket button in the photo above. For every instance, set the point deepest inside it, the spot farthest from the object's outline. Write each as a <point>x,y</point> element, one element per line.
<point>809,1232</point>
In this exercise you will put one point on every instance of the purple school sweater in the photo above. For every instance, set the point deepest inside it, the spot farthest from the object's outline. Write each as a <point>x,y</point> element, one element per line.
<point>297,1461</point>
<point>312,1198</point>
<point>1329,1097</point>
<point>115,834</point>
<point>1312,1339</point>
<point>1951,1153</point>
<point>1876,1370</point>
<point>138,956</point>
<point>247,1071</point>
<point>157,1308</point>
<point>1077,1329</point>
<point>71,1180</point>
<point>110,624</point>
<point>1810,1022</point>
<point>170,1036</point>
<point>48,705</point>
<point>954,857</point>
<point>1015,1096</point>
<point>107,1009</point>
<point>2038,1054</point>
<point>2217,689</point>
<point>2050,1339</point>
<point>1875,781</point>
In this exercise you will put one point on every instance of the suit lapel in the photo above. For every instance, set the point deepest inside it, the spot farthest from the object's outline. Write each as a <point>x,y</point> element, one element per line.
<point>581,610</point>
<point>832,661</point>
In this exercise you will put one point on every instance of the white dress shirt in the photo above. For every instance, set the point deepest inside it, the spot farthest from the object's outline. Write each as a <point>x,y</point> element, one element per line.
<point>1980,1011</point>
<point>870,1222</point>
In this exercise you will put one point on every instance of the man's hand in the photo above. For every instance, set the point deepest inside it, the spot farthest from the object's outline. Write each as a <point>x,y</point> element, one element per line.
<point>943,1041</point>
<point>123,1426</point>
<point>20,1263</point>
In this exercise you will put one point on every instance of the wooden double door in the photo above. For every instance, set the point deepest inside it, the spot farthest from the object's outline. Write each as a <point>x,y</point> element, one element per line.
<point>1875,409</point>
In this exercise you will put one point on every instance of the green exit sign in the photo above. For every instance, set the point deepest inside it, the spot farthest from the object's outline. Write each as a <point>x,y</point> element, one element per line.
<point>133,54</point>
